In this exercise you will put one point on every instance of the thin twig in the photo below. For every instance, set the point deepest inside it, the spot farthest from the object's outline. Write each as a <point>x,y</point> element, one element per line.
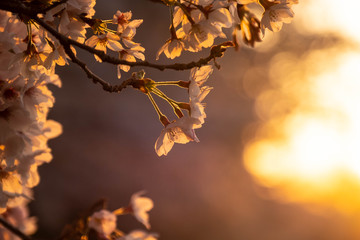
<point>109,59</point>
<point>14,230</point>
<point>96,79</point>
<point>18,7</point>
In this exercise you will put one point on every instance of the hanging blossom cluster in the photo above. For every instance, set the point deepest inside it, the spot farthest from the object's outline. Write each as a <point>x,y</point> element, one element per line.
<point>35,36</point>
<point>195,24</point>
<point>28,57</point>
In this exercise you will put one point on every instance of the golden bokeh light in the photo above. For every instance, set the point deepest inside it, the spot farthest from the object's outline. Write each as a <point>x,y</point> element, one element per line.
<point>307,143</point>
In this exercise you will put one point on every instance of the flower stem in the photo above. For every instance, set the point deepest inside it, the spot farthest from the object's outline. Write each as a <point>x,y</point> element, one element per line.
<point>167,83</point>
<point>163,119</point>
<point>174,104</point>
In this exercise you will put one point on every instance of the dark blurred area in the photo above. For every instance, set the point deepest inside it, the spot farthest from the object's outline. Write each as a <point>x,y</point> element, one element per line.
<point>200,190</point>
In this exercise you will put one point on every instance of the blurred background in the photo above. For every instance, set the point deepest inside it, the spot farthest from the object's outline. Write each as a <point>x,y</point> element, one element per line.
<point>278,156</point>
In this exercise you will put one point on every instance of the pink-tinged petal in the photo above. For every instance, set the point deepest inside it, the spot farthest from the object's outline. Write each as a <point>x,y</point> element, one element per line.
<point>129,58</point>
<point>204,91</point>
<point>161,50</point>
<point>139,55</point>
<point>115,46</point>
<point>11,185</point>
<point>194,89</point>
<point>112,36</point>
<point>128,43</point>
<point>222,16</point>
<point>179,135</point>
<point>163,144</point>
<point>128,15</point>
<point>135,23</point>
<point>52,129</point>
<point>92,41</point>
<point>178,16</point>
<point>200,75</point>
<point>125,68</point>
<point>141,205</point>
<point>103,222</point>
<point>276,26</point>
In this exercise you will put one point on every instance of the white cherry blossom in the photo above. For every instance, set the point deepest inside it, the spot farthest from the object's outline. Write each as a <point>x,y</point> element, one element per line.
<point>140,206</point>
<point>122,19</point>
<point>104,41</point>
<point>103,222</point>
<point>178,131</point>
<point>274,17</point>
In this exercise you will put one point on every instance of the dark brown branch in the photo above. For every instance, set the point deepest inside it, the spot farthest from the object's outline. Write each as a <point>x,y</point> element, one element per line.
<point>109,59</point>
<point>14,230</point>
<point>96,79</point>
<point>18,7</point>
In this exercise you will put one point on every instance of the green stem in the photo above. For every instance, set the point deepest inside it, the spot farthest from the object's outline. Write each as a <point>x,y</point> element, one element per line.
<point>155,106</point>
<point>163,96</point>
<point>174,104</point>
<point>167,83</point>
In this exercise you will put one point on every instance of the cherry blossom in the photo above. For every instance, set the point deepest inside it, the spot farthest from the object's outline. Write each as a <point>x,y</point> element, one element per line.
<point>178,131</point>
<point>172,48</point>
<point>103,41</point>
<point>103,222</point>
<point>122,19</point>
<point>140,206</point>
<point>277,14</point>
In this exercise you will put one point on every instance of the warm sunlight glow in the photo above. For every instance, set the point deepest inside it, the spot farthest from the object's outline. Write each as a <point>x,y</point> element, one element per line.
<point>307,147</point>
<point>330,15</point>
<point>311,152</point>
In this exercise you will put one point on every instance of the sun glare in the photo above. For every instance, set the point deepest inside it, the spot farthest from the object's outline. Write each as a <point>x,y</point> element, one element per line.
<point>307,147</point>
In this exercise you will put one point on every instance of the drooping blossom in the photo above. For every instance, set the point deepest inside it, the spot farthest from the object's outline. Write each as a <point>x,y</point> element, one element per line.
<point>277,13</point>
<point>178,131</point>
<point>103,222</point>
<point>140,207</point>
<point>172,48</point>
<point>197,92</point>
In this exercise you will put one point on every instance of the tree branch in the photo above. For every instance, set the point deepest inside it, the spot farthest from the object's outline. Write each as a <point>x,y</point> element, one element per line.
<point>14,230</point>
<point>96,79</point>
<point>18,7</point>
<point>109,59</point>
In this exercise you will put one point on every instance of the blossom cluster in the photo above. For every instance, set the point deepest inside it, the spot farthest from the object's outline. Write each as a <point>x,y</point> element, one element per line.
<point>125,32</point>
<point>182,130</point>
<point>104,221</point>
<point>26,68</point>
<point>28,56</point>
<point>197,23</point>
